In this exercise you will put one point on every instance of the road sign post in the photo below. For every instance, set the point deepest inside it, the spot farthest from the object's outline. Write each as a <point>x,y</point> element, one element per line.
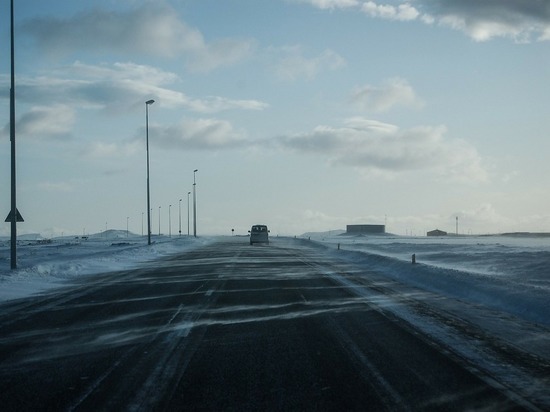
<point>13,212</point>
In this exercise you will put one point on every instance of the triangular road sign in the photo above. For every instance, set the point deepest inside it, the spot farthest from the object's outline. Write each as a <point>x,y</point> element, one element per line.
<point>18,217</point>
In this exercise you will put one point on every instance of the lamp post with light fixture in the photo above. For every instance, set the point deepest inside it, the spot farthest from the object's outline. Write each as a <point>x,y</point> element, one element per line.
<point>180,216</point>
<point>147,104</point>
<point>188,194</point>
<point>195,203</point>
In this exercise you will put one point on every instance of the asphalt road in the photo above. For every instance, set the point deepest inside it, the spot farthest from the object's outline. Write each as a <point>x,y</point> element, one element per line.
<point>225,327</point>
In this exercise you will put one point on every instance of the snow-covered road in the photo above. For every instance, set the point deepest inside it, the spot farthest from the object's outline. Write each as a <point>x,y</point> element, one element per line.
<point>492,314</point>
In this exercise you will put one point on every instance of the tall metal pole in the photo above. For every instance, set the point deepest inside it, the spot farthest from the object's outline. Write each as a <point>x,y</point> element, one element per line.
<point>147,103</point>
<point>180,216</point>
<point>188,194</point>
<point>13,259</point>
<point>194,204</point>
<point>159,220</point>
<point>169,221</point>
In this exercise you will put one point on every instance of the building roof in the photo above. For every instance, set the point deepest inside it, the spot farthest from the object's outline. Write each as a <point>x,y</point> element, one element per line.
<point>436,232</point>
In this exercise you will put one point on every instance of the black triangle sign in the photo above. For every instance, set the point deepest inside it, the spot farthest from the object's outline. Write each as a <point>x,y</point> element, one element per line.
<point>18,217</point>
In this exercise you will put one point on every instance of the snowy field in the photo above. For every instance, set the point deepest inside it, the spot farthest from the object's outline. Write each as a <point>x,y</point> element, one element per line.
<point>43,264</point>
<point>507,273</point>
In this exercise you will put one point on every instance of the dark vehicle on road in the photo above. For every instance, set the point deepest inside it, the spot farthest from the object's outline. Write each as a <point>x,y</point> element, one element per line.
<point>259,234</point>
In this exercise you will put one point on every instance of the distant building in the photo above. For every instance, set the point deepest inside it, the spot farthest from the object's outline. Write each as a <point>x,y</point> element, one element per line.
<point>436,232</point>
<point>365,229</point>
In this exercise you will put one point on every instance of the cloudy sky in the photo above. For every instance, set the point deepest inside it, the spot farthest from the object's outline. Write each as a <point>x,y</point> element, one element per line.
<point>305,115</point>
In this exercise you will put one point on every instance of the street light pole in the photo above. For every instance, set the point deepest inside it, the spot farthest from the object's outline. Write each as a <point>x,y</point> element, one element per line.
<point>159,220</point>
<point>195,203</point>
<point>188,194</point>
<point>169,221</point>
<point>147,103</point>
<point>180,216</point>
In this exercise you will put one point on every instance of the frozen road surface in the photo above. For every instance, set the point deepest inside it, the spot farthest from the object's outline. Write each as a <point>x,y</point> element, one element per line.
<point>230,326</point>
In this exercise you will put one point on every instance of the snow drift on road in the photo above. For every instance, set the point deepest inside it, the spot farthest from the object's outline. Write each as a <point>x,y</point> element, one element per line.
<point>511,274</point>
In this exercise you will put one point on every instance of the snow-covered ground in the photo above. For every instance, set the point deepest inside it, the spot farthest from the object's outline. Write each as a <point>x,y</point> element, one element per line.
<point>48,263</point>
<point>507,273</point>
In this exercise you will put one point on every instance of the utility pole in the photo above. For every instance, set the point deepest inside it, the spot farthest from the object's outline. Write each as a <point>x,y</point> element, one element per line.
<point>194,203</point>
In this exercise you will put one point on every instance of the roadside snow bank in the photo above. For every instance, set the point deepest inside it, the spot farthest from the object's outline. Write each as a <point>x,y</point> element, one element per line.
<point>510,275</point>
<point>47,264</point>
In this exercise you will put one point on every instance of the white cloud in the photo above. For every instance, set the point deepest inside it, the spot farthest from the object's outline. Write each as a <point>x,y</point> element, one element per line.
<point>101,149</point>
<point>330,4</point>
<point>360,123</point>
<point>214,104</point>
<point>520,20</point>
<point>46,122</point>
<point>152,29</point>
<point>118,87</point>
<point>483,20</point>
<point>199,134</point>
<point>393,92</point>
<point>383,148</point>
<point>294,65</point>
<point>123,84</point>
<point>190,134</point>
<point>122,71</point>
<point>402,12</point>
<point>219,53</point>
